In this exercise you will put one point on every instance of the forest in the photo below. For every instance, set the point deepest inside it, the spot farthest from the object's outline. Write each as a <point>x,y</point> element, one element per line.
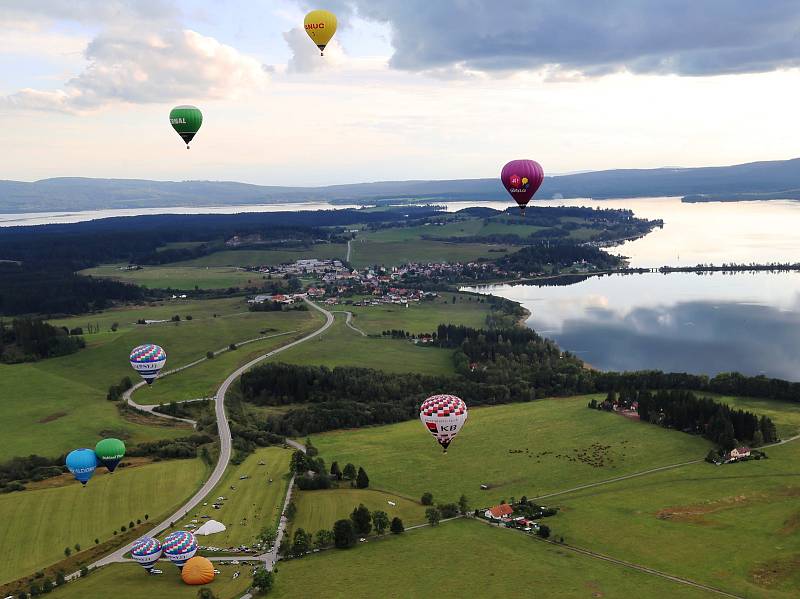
<point>552,257</point>
<point>29,339</point>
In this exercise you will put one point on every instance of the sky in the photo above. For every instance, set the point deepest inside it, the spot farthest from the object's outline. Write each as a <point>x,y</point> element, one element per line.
<point>408,89</point>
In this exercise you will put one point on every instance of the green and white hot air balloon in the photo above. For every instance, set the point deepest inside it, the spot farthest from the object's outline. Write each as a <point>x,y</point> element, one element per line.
<point>186,120</point>
<point>110,452</point>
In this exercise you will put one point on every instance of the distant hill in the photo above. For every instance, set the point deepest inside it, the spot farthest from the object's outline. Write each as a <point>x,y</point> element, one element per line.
<point>755,180</point>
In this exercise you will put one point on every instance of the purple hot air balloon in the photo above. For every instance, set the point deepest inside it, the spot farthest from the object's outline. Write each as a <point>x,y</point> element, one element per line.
<point>522,178</point>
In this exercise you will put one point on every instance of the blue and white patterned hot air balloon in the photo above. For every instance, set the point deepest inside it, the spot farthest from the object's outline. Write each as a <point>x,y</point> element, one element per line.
<point>179,547</point>
<point>146,552</point>
<point>148,360</point>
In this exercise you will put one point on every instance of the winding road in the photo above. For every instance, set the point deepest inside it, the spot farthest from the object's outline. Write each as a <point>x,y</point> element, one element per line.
<point>224,431</point>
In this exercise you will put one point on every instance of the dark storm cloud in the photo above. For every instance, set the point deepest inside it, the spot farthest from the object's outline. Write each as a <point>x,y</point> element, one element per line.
<point>685,37</point>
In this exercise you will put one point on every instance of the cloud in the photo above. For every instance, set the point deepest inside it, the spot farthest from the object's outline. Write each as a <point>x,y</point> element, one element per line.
<point>157,67</point>
<point>683,37</point>
<point>83,11</point>
<point>305,55</point>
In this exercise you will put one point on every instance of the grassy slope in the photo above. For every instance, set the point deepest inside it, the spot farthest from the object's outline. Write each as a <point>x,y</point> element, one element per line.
<point>55,405</point>
<point>403,458</point>
<point>464,559</point>
<point>736,526</point>
<point>129,581</point>
<point>253,505</point>
<point>36,525</point>
<point>179,276</point>
<point>320,509</point>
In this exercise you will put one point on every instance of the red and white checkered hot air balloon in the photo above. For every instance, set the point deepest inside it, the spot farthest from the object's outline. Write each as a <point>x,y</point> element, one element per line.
<point>443,416</point>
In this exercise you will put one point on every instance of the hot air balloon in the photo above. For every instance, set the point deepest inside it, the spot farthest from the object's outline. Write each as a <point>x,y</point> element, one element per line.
<point>110,452</point>
<point>522,178</point>
<point>146,552</point>
<point>148,360</point>
<point>186,120</point>
<point>82,463</point>
<point>320,26</point>
<point>179,547</point>
<point>443,416</point>
<point>197,570</point>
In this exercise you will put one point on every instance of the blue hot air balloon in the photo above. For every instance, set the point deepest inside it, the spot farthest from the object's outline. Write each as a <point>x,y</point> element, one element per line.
<point>82,463</point>
<point>146,552</point>
<point>179,547</point>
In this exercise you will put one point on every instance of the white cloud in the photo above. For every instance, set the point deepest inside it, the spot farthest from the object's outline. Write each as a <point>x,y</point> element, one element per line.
<point>305,54</point>
<point>84,11</point>
<point>159,67</point>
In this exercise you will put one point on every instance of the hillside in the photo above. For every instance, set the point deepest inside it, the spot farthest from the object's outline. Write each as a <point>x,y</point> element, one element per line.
<point>764,180</point>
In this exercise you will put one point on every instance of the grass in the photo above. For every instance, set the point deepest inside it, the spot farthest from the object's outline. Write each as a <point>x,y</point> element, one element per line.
<point>321,251</point>
<point>342,346</point>
<point>423,317</point>
<point>38,524</point>
<point>180,276</point>
<point>253,505</point>
<point>55,405</point>
<point>365,252</point>
<point>464,558</point>
<point>404,459</point>
<point>736,527</point>
<point>130,581</point>
<point>320,509</point>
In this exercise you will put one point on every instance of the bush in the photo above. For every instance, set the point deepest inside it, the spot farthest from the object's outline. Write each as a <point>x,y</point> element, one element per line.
<point>544,531</point>
<point>426,499</point>
<point>449,510</point>
<point>210,355</point>
<point>232,347</point>
<point>396,526</point>
<point>344,535</point>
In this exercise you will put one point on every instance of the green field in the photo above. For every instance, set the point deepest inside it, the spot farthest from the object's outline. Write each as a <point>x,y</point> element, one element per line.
<point>320,509</point>
<point>464,558</point>
<point>365,252</point>
<point>342,346</point>
<point>404,459</point>
<point>321,251</point>
<point>179,276</point>
<point>253,505</point>
<point>130,581</point>
<point>423,317</point>
<point>55,405</point>
<point>36,525</point>
<point>736,526</point>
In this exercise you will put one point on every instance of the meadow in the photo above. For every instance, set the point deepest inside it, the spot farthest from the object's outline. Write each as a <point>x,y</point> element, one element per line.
<point>736,526</point>
<point>365,252</point>
<point>527,449</point>
<point>253,505</point>
<point>55,405</point>
<point>37,524</point>
<point>321,251</point>
<point>318,510</point>
<point>178,276</point>
<point>464,558</point>
<point>130,581</point>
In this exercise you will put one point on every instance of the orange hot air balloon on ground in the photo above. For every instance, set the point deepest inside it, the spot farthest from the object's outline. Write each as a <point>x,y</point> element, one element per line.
<point>197,570</point>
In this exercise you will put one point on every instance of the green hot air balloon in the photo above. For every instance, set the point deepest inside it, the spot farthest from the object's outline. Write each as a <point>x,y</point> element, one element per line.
<point>110,452</point>
<point>186,120</point>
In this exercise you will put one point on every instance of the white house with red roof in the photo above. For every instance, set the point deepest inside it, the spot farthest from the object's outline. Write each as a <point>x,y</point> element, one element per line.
<point>499,512</point>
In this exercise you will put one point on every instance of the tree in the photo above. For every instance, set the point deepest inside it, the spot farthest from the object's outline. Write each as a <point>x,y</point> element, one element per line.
<point>758,439</point>
<point>310,449</point>
<point>299,462</point>
<point>344,536</point>
<point>268,535</point>
<point>84,572</point>
<point>22,595</point>
<point>433,515</point>
<point>323,538</point>
<point>544,531</point>
<point>47,585</point>
<point>232,347</point>
<point>60,578</point>
<point>349,472</point>
<point>362,519</point>
<point>263,579</point>
<point>97,541</point>
<point>67,551</point>
<point>335,471</point>
<point>463,504</point>
<point>380,521</point>
<point>427,499</point>
<point>291,511</point>
<point>397,526</point>
<point>206,593</point>
<point>301,543</point>
<point>362,480</point>
<point>209,356</point>
<point>448,510</point>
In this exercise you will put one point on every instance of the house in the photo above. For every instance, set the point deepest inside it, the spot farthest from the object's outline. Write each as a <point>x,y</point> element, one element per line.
<point>737,453</point>
<point>499,512</point>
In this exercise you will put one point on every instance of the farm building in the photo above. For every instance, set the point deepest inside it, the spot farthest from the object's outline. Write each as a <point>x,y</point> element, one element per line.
<point>499,512</point>
<point>737,453</point>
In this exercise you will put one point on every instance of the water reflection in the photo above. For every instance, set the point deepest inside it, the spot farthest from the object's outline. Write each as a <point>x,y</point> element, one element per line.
<point>677,322</point>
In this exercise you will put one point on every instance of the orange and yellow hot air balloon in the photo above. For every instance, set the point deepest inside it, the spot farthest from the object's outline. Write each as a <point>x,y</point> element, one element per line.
<point>197,570</point>
<point>320,26</point>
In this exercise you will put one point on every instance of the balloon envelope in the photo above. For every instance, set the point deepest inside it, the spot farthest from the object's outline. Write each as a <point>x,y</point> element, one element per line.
<point>82,463</point>
<point>146,552</point>
<point>148,360</point>
<point>110,452</point>
<point>186,120</point>
<point>320,26</point>
<point>522,178</point>
<point>197,570</point>
<point>443,416</point>
<point>179,547</point>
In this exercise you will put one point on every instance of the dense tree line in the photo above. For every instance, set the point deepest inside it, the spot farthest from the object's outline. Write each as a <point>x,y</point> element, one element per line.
<point>30,339</point>
<point>180,448</point>
<point>553,256</point>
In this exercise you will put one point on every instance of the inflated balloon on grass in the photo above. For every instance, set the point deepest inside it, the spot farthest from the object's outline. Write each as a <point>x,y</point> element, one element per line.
<point>198,570</point>
<point>179,547</point>
<point>146,552</point>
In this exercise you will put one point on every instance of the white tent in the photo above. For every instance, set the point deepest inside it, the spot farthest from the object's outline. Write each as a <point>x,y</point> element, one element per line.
<point>209,528</point>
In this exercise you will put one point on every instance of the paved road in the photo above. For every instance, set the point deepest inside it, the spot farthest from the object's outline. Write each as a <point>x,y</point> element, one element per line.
<point>224,432</point>
<point>349,321</point>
